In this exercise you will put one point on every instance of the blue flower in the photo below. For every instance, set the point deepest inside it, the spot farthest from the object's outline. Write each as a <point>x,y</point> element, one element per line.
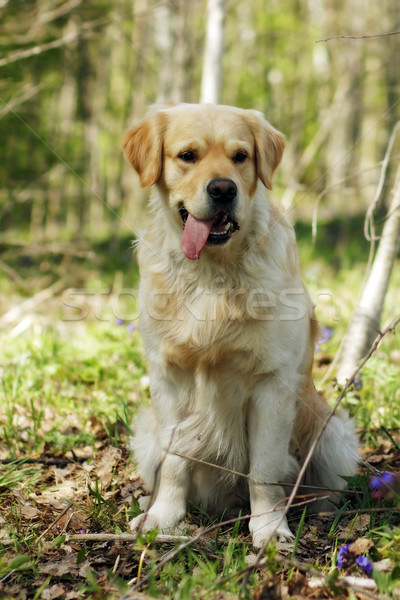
<point>342,556</point>
<point>385,485</point>
<point>389,479</point>
<point>326,335</point>
<point>346,557</point>
<point>375,483</point>
<point>365,564</point>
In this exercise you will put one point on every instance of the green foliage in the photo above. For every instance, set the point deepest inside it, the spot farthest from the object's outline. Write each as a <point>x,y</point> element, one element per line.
<point>29,391</point>
<point>64,107</point>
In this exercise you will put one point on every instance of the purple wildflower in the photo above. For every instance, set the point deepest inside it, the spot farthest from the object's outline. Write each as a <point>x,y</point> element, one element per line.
<point>119,322</point>
<point>343,556</point>
<point>386,484</point>
<point>327,333</point>
<point>375,483</point>
<point>365,564</point>
<point>346,557</point>
<point>389,479</point>
<point>131,327</point>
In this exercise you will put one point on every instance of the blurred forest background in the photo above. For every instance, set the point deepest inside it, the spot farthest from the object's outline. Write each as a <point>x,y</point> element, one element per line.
<point>74,74</point>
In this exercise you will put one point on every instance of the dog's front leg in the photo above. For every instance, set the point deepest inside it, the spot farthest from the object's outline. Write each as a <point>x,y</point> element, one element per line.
<point>169,507</point>
<point>170,475</point>
<point>270,420</point>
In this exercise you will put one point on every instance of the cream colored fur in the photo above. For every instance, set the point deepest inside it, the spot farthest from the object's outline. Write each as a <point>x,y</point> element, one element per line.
<point>230,337</point>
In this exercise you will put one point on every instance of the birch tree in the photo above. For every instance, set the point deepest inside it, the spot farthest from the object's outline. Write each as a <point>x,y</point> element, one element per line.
<point>213,52</point>
<point>366,319</point>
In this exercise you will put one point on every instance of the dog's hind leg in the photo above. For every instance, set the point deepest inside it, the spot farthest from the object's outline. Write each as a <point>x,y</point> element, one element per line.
<point>336,454</point>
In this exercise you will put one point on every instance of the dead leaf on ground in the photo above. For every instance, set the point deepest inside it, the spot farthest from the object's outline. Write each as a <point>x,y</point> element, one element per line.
<point>104,467</point>
<point>361,546</point>
<point>73,520</point>
<point>384,566</point>
<point>74,595</point>
<point>29,512</point>
<point>355,526</point>
<point>60,568</point>
<point>377,459</point>
<point>52,592</point>
<point>69,490</point>
<point>13,590</point>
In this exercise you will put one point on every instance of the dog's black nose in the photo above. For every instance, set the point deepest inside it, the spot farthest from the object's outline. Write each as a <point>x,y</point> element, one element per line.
<point>222,190</point>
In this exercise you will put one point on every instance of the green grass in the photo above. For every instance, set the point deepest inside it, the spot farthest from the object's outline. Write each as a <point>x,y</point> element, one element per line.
<point>71,387</point>
<point>60,380</point>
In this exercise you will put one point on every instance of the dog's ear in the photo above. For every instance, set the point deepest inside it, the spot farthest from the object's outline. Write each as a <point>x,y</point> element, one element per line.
<point>269,146</point>
<point>143,147</point>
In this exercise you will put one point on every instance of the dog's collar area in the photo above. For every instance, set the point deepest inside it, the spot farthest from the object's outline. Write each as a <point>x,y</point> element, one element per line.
<point>223,226</point>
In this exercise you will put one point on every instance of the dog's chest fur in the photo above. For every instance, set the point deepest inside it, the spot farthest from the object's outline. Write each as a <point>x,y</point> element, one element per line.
<point>199,327</point>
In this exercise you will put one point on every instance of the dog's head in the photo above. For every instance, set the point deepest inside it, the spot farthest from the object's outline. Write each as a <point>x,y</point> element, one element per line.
<point>207,161</point>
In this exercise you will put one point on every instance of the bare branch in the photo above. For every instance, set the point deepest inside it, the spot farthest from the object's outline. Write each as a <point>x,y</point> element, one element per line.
<point>244,476</point>
<point>26,95</point>
<point>17,311</point>
<point>22,54</point>
<point>368,223</point>
<point>357,37</point>
<point>124,537</point>
<point>58,12</point>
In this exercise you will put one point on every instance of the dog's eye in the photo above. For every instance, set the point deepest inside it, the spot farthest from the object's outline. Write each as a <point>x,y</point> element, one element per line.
<point>188,156</point>
<point>240,157</point>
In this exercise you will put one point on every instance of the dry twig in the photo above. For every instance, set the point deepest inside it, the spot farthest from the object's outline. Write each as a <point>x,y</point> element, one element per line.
<point>357,37</point>
<point>22,54</point>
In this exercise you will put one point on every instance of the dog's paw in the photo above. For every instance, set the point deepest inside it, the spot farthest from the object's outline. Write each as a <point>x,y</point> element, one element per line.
<point>262,532</point>
<point>164,520</point>
<point>145,522</point>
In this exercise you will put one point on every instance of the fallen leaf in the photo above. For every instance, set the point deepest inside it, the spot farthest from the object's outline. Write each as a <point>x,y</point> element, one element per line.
<point>376,459</point>
<point>384,566</point>
<point>73,595</point>
<point>54,591</point>
<point>29,512</point>
<point>84,568</point>
<point>105,466</point>
<point>361,546</point>
<point>60,568</point>
<point>73,520</point>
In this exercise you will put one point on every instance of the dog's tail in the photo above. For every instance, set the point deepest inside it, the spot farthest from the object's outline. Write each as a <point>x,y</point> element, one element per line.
<point>336,454</point>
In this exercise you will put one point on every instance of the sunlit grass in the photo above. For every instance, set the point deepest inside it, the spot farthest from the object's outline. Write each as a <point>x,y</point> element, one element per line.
<point>53,383</point>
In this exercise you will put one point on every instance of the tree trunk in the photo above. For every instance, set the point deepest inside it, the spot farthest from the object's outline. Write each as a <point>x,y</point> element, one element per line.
<point>170,28</point>
<point>213,53</point>
<point>366,319</point>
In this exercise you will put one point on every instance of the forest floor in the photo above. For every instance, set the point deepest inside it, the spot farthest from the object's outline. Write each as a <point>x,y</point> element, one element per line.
<point>73,375</point>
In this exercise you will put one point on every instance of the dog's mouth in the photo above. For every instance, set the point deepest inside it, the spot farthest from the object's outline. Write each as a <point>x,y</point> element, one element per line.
<point>197,232</point>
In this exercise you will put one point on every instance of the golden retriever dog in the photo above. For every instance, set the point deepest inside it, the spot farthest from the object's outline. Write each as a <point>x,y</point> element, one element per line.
<point>228,327</point>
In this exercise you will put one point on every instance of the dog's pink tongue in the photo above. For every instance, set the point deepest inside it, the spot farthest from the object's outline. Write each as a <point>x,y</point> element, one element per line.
<point>195,236</point>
